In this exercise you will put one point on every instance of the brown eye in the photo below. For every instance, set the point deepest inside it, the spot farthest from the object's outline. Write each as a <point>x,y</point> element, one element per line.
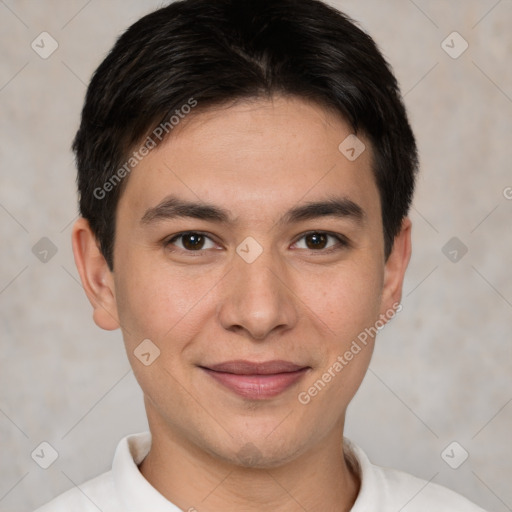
<point>191,242</point>
<point>320,241</point>
<point>316,241</point>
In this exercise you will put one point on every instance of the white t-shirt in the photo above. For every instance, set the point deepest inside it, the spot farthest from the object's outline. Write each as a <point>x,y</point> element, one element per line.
<point>124,489</point>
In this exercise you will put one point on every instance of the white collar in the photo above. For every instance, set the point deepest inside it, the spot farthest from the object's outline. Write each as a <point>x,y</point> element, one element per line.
<point>132,489</point>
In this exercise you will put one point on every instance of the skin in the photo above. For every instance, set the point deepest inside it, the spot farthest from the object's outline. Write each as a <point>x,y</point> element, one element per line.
<point>295,302</point>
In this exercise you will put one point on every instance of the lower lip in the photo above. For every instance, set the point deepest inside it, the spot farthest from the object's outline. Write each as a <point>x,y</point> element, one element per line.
<point>257,387</point>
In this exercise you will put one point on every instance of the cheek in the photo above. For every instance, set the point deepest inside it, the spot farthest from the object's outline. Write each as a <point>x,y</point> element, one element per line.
<point>345,299</point>
<point>347,305</point>
<point>154,301</point>
<point>168,309</point>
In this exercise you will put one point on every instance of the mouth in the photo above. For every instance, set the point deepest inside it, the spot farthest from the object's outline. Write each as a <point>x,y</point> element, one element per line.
<point>256,381</point>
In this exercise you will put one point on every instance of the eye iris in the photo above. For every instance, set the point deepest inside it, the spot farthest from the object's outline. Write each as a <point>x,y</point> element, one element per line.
<point>193,241</point>
<point>318,240</point>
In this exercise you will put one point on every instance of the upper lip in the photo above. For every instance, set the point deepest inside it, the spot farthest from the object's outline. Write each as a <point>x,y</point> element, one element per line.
<point>243,367</point>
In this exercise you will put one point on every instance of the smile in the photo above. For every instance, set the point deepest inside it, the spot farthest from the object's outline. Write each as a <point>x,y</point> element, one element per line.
<point>256,381</point>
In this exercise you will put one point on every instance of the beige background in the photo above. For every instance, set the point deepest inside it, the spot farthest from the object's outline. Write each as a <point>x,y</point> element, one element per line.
<point>442,369</point>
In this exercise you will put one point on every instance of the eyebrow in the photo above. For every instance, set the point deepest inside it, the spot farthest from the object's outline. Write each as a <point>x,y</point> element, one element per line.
<point>173,207</point>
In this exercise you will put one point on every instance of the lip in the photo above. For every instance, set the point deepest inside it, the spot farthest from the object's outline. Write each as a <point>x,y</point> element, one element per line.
<point>256,381</point>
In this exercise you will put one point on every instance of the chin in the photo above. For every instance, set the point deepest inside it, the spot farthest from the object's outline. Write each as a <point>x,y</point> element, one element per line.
<point>263,452</point>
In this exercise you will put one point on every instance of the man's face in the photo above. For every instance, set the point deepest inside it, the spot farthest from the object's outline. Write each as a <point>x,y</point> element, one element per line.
<point>257,286</point>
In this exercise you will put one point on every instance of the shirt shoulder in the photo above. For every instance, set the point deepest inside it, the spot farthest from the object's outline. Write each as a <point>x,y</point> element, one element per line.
<point>388,490</point>
<point>97,493</point>
<point>122,489</point>
<point>412,494</point>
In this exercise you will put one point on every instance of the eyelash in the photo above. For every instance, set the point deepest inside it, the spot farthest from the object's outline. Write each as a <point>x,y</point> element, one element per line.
<point>342,242</point>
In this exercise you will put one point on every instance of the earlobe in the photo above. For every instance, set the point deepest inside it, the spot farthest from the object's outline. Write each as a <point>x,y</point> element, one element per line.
<point>97,279</point>
<point>395,267</point>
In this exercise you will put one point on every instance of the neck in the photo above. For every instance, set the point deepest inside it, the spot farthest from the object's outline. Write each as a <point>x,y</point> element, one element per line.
<point>193,479</point>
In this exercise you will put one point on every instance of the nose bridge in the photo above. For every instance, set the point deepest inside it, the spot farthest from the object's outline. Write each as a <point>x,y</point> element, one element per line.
<point>256,260</point>
<point>261,275</point>
<point>256,297</point>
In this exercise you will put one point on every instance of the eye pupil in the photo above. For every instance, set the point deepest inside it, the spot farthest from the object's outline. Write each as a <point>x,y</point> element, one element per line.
<point>193,241</point>
<point>318,240</point>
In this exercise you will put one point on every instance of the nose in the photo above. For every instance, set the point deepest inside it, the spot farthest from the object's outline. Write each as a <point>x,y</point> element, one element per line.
<point>257,298</point>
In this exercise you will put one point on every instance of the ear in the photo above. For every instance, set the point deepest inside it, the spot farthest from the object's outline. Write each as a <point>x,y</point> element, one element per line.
<point>395,267</point>
<point>97,279</point>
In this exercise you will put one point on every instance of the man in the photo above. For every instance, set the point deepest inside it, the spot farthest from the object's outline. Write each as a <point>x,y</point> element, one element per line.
<point>245,171</point>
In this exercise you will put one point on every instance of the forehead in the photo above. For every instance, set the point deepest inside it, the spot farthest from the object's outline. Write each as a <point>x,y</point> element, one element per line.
<point>257,155</point>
